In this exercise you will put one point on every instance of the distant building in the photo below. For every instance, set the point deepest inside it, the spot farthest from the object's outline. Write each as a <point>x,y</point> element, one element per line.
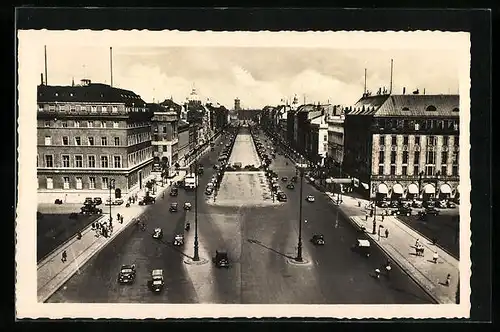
<point>89,135</point>
<point>403,146</point>
<point>335,120</point>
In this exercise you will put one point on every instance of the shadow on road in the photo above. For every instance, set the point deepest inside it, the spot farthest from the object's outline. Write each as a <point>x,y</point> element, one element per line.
<point>268,248</point>
<point>170,245</point>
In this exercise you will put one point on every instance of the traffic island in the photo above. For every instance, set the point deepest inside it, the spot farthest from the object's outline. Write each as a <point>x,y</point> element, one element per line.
<point>201,261</point>
<point>292,261</point>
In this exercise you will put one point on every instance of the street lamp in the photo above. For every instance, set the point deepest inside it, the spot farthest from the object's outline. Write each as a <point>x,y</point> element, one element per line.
<point>196,256</point>
<point>111,186</point>
<point>301,168</point>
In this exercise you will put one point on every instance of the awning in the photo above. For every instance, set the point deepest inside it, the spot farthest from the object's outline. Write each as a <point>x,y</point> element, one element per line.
<point>382,189</point>
<point>397,189</point>
<point>412,189</point>
<point>445,189</point>
<point>429,189</point>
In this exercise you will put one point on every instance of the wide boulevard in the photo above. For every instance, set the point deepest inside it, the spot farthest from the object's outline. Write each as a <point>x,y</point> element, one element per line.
<point>260,240</point>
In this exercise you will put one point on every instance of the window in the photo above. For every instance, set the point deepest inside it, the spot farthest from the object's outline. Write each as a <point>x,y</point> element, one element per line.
<point>416,157</point>
<point>393,139</point>
<point>456,141</point>
<point>429,170</point>
<point>455,125</point>
<point>417,126</point>
<point>381,157</point>
<point>454,160</point>
<point>99,124</point>
<point>430,158</point>
<point>393,170</point>
<point>104,141</point>
<point>445,140</point>
<point>117,161</point>
<point>393,157</point>
<point>78,182</point>
<point>417,140</point>
<point>404,170</point>
<point>431,141</point>
<point>91,124</point>
<point>91,141</point>
<point>160,148</point>
<point>79,161</point>
<point>381,170</point>
<point>381,140</point>
<point>444,170</point>
<point>48,140</point>
<point>431,108</point>
<point>91,161</point>
<point>104,183</point>
<point>77,124</point>
<point>49,160</point>
<point>454,170</point>
<point>64,124</point>
<point>415,170</point>
<point>104,162</point>
<point>99,109</point>
<point>444,157</point>
<point>47,123</point>
<point>117,141</point>
<point>50,183</point>
<point>65,161</point>
<point>93,109</point>
<point>40,108</point>
<point>66,182</point>
<point>115,124</point>
<point>405,157</point>
<point>405,140</point>
<point>115,109</point>
<point>78,141</point>
<point>108,109</point>
<point>91,182</point>
<point>52,108</point>
<point>104,124</point>
<point>65,140</point>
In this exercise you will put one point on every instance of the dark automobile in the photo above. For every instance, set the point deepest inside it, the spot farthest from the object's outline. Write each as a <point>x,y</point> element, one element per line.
<point>394,204</point>
<point>290,186</point>
<point>156,283</point>
<point>216,167</point>
<point>294,179</point>
<point>88,200</point>
<point>147,200</point>
<point>318,239</point>
<point>127,274</point>
<point>221,259</point>
<point>432,211</point>
<point>178,240</point>
<point>383,204</point>
<point>282,197</point>
<point>200,170</point>
<point>362,247</point>
<point>403,211</point>
<point>174,192</point>
<point>429,203</point>
<point>97,200</point>
<point>158,233</point>
<point>174,207</point>
<point>90,209</point>
<point>208,191</point>
<point>284,179</point>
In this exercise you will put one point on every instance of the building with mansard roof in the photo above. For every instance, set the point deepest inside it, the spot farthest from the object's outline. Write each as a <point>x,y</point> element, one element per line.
<point>403,146</point>
<point>90,136</point>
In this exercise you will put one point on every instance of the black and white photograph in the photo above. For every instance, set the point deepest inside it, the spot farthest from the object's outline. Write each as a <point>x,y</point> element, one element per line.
<point>229,174</point>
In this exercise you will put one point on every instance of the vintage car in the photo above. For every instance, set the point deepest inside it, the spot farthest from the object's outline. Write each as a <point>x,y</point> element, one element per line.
<point>318,239</point>
<point>174,191</point>
<point>88,200</point>
<point>147,200</point>
<point>403,211</point>
<point>362,247</point>
<point>208,191</point>
<point>450,205</point>
<point>310,198</point>
<point>294,179</point>
<point>383,204</point>
<point>290,186</point>
<point>284,179</point>
<point>116,201</point>
<point>157,233</point>
<point>127,274</point>
<point>221,259</point>
<point>97,200</point>
<point>416,203</point>
<point>187,206</point>
<point>178,240</point>
<point>90,209</point>
<point>174,207</point>
<point>432,211</point>
<point>157,282</point>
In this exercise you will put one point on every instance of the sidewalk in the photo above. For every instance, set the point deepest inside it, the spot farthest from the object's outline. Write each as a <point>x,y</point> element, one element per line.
<point>399,246</point>
<point>52,273</point>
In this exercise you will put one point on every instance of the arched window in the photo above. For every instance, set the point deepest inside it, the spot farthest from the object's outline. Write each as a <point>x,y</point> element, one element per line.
<point>431,108</point>
<point>406,108</point>
<point>456,109</point>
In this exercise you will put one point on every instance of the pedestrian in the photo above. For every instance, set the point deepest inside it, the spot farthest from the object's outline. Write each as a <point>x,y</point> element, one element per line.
<point>386,233</point>
<point>382,217</point>
<point>417,242</point>
<point>117,216</point>
<point>121,219</point>
<point>448,279</point>
<point>435,257</point>
<point>79,235</point>
<point>64,256</point>
<point>366,217</point>
<point>93,225</point>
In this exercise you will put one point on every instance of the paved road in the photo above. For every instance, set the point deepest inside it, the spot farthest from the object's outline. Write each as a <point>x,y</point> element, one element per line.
<point>258,240</point>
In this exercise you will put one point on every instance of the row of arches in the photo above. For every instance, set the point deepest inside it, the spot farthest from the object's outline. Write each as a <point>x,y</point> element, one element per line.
<point>411,191</point>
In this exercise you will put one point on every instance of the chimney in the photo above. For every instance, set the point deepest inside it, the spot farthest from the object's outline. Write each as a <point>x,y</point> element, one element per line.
<point>390,86</point>
<point>45,50</point>
<point>404,90</point>
<point>41,78</point>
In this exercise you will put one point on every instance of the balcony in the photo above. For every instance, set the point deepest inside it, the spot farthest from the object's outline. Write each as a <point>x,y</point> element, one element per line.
<point>445,178</point>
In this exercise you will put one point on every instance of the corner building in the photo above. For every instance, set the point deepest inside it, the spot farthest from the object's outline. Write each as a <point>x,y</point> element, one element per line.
<point>87,135</point>
<point>403,146</point>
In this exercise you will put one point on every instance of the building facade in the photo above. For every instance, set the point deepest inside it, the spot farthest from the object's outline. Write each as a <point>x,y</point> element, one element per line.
<point>90,136</point>
<point>404,146</point>
<point>165,138</point>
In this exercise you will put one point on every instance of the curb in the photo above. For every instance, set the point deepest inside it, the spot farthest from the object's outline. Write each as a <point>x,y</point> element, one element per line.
<point>404,269</point>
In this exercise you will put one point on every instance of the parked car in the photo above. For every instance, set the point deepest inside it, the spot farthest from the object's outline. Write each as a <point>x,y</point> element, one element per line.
<point>383,204</point>
<point>442,204</point>
<point>147,200</point>
<point>403,210</point>
<point>310,198</point>
<point>209,191</point>
<point>416,203</point>
<point>88,200</point>
<point>90,209</point>
<point>127,274</point>
<point>450,205</point>
<point>429,203</point>
<point>97,200</point>
<point>432,211</point>
<point>281,196</point>
<point>394,204</point>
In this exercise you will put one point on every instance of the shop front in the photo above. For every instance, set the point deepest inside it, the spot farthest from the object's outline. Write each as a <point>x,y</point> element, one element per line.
<point>382,192</point>
<point>412,192</point>
<point>444,191</point>
<point>397,192</point>
<point>429,192</point>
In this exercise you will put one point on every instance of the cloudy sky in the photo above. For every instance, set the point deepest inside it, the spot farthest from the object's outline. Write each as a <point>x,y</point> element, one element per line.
<point>259,76</point>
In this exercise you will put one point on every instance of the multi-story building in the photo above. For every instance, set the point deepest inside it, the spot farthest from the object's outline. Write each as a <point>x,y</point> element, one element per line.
<point>165,139</point>
<point>403,146</point>
<point>335,121</point>
<point>90,136</point>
